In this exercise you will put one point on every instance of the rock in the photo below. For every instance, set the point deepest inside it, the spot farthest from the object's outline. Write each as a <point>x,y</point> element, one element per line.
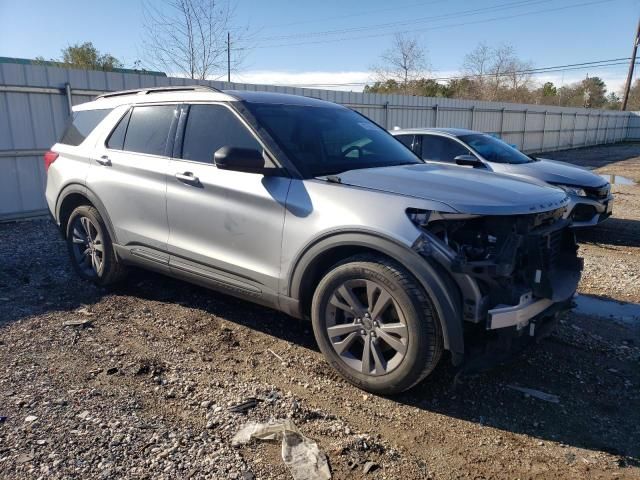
<point>112,371</point>
<point>2,419</point>
<point>247,475</point>
<point>84,415</point>
<point>30,419</point>
<point>369,467</point>
<point>24,458</point>
<point>205,404</point>
<point>85,323</point>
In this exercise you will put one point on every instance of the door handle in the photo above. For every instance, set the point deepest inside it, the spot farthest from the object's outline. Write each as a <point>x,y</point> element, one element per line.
<point>188,177</point>
<point>104,160</point>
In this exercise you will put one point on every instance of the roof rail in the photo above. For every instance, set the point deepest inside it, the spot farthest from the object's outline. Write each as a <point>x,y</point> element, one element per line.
<point>145,91</point>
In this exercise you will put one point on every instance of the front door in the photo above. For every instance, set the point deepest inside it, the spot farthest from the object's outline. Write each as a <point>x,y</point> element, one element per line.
<point>224,226</point>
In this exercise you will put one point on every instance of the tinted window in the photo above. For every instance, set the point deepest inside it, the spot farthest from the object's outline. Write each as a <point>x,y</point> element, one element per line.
<point>148,129</point>
<point>211,127</point>
<point>441,149</point>
<point>406,139</point>
<point>328,140</point>
<point>116,139</point>
<point>495,150</point>
<point>82,124</point>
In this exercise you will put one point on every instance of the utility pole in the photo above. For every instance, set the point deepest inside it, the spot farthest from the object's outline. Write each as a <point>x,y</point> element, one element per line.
<point>229,56</point>
<point>627,86</point>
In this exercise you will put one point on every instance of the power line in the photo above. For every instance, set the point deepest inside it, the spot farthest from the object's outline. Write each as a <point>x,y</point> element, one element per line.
<point>437,27</point>
<point>358,14</point>
<point>461,13</point>
<point>532,71</point>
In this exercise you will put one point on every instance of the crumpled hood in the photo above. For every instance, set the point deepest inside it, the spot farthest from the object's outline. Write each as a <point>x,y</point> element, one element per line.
<point>466,190</point>
<point>556,172</point>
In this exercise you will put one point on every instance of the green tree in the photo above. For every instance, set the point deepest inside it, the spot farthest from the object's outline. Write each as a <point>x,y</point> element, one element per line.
<point>88,57</point>
<point>595,91</point>
<point>549,90</point>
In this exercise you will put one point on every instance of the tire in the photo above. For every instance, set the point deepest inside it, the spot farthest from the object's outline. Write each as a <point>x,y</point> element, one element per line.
<point>86,235</point>
<point>392,314</point>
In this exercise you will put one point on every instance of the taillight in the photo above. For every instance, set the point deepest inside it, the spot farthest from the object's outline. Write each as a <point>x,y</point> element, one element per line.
<point>49,158</point>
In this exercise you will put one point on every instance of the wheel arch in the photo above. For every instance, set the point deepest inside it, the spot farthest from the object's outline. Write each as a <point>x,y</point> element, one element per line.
<point>316,260</point>
<point>74,195</point>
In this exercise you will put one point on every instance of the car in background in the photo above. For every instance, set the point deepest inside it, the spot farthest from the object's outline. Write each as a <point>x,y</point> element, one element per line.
<point>590,194</point>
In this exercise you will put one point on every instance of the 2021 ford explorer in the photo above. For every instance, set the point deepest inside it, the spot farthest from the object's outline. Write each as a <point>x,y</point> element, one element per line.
<point>310,208</point>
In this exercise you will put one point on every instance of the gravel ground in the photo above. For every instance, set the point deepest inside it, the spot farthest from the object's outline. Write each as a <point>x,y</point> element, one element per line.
<point>137,382</point>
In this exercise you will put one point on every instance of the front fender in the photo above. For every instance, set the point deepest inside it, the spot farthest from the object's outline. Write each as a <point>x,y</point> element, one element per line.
<point>441,290</point>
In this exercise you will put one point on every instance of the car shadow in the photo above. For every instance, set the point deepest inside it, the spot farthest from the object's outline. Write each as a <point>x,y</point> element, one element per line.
<point>619,232</point>
<point>594,411</point>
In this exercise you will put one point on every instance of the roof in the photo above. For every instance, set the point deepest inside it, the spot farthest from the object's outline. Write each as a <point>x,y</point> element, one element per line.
<point>196,93</point>
<point>455,132</point>
<point>278,98</point>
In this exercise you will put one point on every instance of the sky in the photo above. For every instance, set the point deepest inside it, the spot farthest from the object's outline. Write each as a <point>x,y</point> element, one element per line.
<point>544,32</point>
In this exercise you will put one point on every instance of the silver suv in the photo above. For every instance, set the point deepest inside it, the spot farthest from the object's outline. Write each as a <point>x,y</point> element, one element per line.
<point>310,208</point>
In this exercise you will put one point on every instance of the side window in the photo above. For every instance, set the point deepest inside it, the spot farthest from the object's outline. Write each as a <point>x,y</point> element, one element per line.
<point>148,129</point>
<point>211,127</point>
<point>116,139</point>
<point>82,124</point>
<point>406,139</point>
<point>441,149</point>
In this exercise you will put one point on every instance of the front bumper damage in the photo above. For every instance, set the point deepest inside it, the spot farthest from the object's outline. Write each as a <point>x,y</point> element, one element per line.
<point>515,273</point>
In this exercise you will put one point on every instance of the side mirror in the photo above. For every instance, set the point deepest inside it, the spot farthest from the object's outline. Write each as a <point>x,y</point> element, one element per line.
<point>468,160</point>
<point>239,159</point>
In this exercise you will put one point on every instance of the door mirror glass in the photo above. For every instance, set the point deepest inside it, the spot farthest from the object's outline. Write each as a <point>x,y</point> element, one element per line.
<point>239,159</point>
<point>468,160</point>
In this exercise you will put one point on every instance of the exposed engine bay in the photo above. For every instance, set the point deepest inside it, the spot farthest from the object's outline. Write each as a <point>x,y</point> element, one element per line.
<point>507,256</point>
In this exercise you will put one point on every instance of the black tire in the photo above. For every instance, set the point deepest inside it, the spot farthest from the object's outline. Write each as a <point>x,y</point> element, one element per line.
<point>410,306</point>
<point>109,271</point>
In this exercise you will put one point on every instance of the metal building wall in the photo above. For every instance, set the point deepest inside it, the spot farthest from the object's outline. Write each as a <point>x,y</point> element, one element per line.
<point>35,103</point>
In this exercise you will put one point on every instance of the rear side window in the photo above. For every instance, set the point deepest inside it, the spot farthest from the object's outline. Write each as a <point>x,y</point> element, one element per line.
<point>211,127</point>
<point>116,139</point>
<point>82,124</point>
<point>148,129</point>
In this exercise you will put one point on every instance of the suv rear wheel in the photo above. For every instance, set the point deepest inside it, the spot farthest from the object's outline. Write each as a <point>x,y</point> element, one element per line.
<point>375,325</point>
<point>90,248</point>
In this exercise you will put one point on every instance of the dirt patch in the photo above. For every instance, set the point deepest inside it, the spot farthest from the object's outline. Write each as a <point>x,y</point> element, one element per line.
<point>138,382</point>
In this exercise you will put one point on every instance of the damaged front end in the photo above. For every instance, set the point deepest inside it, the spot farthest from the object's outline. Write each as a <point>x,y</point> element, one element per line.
<point>513,271</point>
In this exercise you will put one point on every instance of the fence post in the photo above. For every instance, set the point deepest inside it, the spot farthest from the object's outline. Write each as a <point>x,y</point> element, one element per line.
<point>473,114</point>
<point>386,114</point>
<point>524,128</point>
<point>67,89</point>
<point>559,130</point>
<point>598,129</point>
<point>435,117</point>
<point>573,132</point>
<point>606,129</point>
<point>544,129</point>
<point>502,124</point>
<point>587,130</point>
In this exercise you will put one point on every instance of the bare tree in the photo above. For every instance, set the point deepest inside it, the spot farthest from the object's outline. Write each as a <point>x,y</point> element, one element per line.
<point>497,73</point>
<point>405,62</point>
<point>188,37</point>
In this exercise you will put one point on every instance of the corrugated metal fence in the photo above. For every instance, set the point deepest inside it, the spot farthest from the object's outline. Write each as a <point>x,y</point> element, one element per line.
<point>35,102</point>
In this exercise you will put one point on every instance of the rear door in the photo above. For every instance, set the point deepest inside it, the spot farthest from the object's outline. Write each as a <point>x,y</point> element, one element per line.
<point>129,176</point>
<point>225,227</point>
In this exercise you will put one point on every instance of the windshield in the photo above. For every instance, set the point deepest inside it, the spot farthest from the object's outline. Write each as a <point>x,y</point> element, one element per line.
<point>494,150</point>
<point>329,140</point>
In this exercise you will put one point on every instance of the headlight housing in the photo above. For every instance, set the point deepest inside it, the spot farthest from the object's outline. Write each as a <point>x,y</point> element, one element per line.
<point>577,191</point>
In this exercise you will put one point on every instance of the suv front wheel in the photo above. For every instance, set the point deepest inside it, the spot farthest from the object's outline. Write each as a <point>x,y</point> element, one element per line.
<point>90,248</point>
<point>375,324</point>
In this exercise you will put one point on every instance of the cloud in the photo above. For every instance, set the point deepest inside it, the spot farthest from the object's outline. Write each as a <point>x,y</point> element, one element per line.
<point>355,80</point>
<point>349,81</point>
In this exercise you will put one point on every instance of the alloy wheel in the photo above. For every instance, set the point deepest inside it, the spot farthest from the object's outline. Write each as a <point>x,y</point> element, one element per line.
<point>366,327</point>
<point>88,246</point>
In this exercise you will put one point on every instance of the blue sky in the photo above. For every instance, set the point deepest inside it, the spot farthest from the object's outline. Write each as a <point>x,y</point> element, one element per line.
<point>593,30</point>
